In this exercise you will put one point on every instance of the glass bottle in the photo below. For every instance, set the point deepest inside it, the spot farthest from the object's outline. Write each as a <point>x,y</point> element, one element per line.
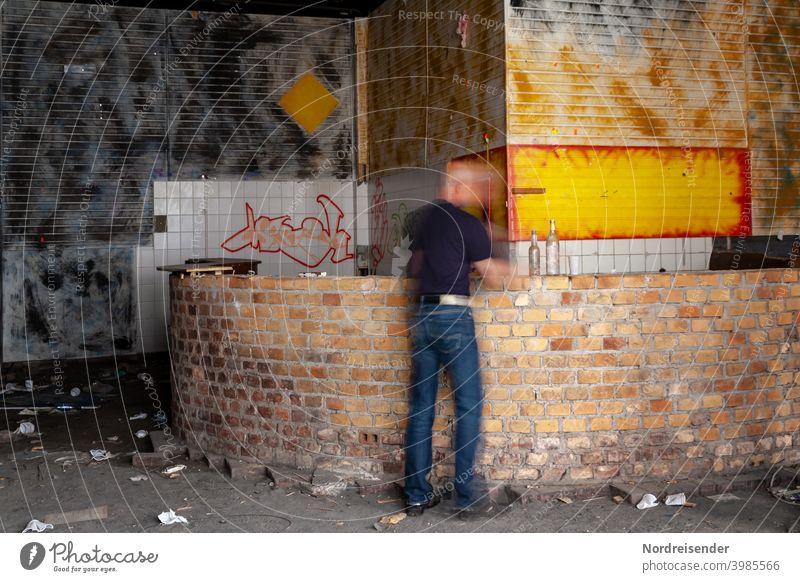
<point>551,250</point>
<point>534,258</point>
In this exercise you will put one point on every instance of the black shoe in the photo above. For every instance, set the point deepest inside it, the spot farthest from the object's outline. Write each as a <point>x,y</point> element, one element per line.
<point>416,509</point>
<point>477,511</point>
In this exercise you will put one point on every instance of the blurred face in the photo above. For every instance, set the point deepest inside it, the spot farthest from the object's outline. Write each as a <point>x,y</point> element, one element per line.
<point>464,186</point>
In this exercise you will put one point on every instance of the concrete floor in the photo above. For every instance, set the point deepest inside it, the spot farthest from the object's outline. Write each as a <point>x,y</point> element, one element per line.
<point>32,485</point>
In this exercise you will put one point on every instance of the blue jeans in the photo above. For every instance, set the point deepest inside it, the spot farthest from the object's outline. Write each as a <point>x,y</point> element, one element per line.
<point>443,335</point>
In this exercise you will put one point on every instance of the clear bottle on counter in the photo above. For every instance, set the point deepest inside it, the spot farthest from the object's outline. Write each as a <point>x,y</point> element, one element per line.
<point>534,258</point>
<point>551,250</point>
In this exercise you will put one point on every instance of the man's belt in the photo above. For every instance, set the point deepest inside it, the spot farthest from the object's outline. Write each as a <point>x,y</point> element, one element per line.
<point>461,300</point>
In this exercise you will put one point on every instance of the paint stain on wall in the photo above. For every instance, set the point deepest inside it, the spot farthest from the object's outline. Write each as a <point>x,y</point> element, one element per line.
<point>58,303</point>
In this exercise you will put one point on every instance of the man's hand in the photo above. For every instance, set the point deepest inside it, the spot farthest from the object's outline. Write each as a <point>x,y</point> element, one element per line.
<point>493,271</point>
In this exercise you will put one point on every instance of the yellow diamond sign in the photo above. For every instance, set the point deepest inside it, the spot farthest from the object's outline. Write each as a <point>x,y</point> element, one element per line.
<point>308,102</point>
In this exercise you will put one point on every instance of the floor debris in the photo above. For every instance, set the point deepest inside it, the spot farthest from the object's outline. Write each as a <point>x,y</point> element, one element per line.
<point>393,519</point>
<point>675,499</point>
<point>140,416</point>
<point>648,500</point>
<point>101,455</point>
<point>136,478</point>
<point>37,526</point>
<point>618,499</point>
<point>173,471</point>
<point>170,517</point>
<point>566,500</point>
<point>26,428</point>
<point>140,434</point>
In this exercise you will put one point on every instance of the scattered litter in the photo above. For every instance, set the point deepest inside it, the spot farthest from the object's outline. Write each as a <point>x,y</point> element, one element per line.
<point>25,428</point>
<point>618,499</point>
<point>648,500</point>
<point>675,499</point>
<point>37,526</point>
<point>381,525</point>
<point>169,517</point>
<point>101,455</point>
<point>27,412</point>
<point>690,504</point>
<point>565,499</point>
<point>140,416</point>
<point>69,460</point>
<point>113,439</point>
<point>75,392</point>
<point>140,434</point>
<point>723,497</point>
<point>784,494</point>
<point>382,501</point>
<point>173,470</point>
<point>312,275</point>
<point>136,478</point>
<point>29,385</point>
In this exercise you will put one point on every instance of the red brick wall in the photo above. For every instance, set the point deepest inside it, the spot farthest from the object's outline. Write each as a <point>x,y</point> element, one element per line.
<point>586,377</point>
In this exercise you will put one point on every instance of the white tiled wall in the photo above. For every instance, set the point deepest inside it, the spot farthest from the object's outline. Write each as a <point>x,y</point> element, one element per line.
<point>626,255</point>
<point>202,214</point>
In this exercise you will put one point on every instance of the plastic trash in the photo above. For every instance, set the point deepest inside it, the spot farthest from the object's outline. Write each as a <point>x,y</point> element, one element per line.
<point>25,428</point>
<point>173,469</point>
<point>101,455</point>
<point>675,499</point>
<point>169,517</point>
<point>648,500</point>
<point>29,385</point>
<point>140,434</point>
<point>140,416</point>
<point>37,526</point>
<point>75,392</point>
<point>139,478</point>
<point>113,439</point>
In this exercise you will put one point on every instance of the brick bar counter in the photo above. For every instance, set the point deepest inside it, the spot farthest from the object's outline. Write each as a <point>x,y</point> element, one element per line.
<point>586,377</point>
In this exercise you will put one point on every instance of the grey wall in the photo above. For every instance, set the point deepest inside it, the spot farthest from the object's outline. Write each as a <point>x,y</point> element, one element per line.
<point>99,102</point>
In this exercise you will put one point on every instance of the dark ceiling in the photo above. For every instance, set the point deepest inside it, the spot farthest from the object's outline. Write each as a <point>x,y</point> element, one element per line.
<point>329,8</point>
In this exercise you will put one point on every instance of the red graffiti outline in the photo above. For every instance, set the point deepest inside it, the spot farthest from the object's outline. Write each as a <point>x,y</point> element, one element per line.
<point>280,231</point>
<point>379,227</point>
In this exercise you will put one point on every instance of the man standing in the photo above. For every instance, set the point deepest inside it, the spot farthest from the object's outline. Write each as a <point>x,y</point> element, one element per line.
<point>448,244</point>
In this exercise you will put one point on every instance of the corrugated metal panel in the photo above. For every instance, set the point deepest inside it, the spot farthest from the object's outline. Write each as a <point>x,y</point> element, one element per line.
<point>76,156</point>
<point>228,71</point>
<point>624,72</point>
<point>421,113</point>
<point>774,123</point>
<point>86,123</point>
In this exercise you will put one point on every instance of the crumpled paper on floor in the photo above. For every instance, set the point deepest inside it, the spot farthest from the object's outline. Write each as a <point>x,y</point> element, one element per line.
<point>648,500</point>
<point>101,455</point>
<point>675,499</point>
<point>37,526</point>
<point>170,517</point>
<point>25,428</point>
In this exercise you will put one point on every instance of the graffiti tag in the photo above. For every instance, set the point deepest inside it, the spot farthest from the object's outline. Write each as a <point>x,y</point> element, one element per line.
<point>308,244</point>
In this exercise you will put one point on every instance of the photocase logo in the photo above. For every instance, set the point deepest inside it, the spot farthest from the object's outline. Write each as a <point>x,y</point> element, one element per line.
<point>31,555</point>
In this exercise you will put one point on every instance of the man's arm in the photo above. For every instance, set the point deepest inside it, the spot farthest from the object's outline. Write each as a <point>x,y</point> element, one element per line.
<point>493,271</point>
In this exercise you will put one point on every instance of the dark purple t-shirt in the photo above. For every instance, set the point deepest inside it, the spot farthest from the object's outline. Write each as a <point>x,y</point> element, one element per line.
<point>449,241</point>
